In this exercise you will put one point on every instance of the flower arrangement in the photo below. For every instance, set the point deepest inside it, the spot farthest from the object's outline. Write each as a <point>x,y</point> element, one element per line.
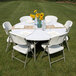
<point>38,17</point>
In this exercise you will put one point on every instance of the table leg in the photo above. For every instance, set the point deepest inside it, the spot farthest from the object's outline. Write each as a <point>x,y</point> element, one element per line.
<point>34,51</point>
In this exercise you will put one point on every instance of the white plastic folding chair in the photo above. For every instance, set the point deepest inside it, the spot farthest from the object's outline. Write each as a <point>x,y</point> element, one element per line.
<point>68,26</point>
<point>50,19</point>
<point>20,45</point>
<point>25,19</point>
<point>53,46</point>
<point>7,27</point>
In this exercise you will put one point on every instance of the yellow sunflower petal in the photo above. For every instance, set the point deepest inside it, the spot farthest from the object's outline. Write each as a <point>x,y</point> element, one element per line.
<point>41,14</point>
<point>41,18</point>
<point>33,16</point>
<point>35,11</point>
<point>37,15</point>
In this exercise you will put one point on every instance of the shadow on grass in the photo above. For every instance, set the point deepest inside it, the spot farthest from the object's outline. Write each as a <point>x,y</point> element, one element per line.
<point>39,50</point>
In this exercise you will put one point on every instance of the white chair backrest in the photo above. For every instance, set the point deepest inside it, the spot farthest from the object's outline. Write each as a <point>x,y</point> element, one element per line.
<point>25,18</point>
<point>51,18</point>
<point>7,26</point>
<point>17,39</point>
<point>57,40</point>
<point>68,25</point>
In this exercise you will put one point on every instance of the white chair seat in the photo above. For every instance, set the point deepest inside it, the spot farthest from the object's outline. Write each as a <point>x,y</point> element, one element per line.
<point>21,48</point>
<point>54,49</point>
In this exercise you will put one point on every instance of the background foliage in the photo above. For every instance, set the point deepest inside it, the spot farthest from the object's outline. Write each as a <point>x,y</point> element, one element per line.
<point>39,0</point>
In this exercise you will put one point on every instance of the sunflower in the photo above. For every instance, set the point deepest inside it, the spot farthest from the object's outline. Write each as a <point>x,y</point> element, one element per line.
<point>41,17</point>
<point>37,15</point>
<point>33,16</point>
<point>41,14</point>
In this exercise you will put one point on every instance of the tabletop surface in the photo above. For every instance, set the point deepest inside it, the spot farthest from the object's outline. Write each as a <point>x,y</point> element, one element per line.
<point>31,32</point>
<point>38,34</point>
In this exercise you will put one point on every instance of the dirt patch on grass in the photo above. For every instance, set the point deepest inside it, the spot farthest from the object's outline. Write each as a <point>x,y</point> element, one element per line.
<point>65,2</point>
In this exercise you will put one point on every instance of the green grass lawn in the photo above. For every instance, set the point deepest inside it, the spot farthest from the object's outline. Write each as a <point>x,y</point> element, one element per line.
<point>12,11</point>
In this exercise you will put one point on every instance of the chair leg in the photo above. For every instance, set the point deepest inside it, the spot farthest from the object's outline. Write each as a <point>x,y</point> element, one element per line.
<point>44,51</point>
<point>49,60</point>
<point>25,60</point>
<point>64,55</point>
<point>12,54</point>
<point>7,46</point>
<point>67,45</point>
<point>42,54</point>
<point>32,52</point>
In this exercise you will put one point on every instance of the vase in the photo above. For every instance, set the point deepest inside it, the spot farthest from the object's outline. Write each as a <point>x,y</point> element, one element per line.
<point>39,25</point>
